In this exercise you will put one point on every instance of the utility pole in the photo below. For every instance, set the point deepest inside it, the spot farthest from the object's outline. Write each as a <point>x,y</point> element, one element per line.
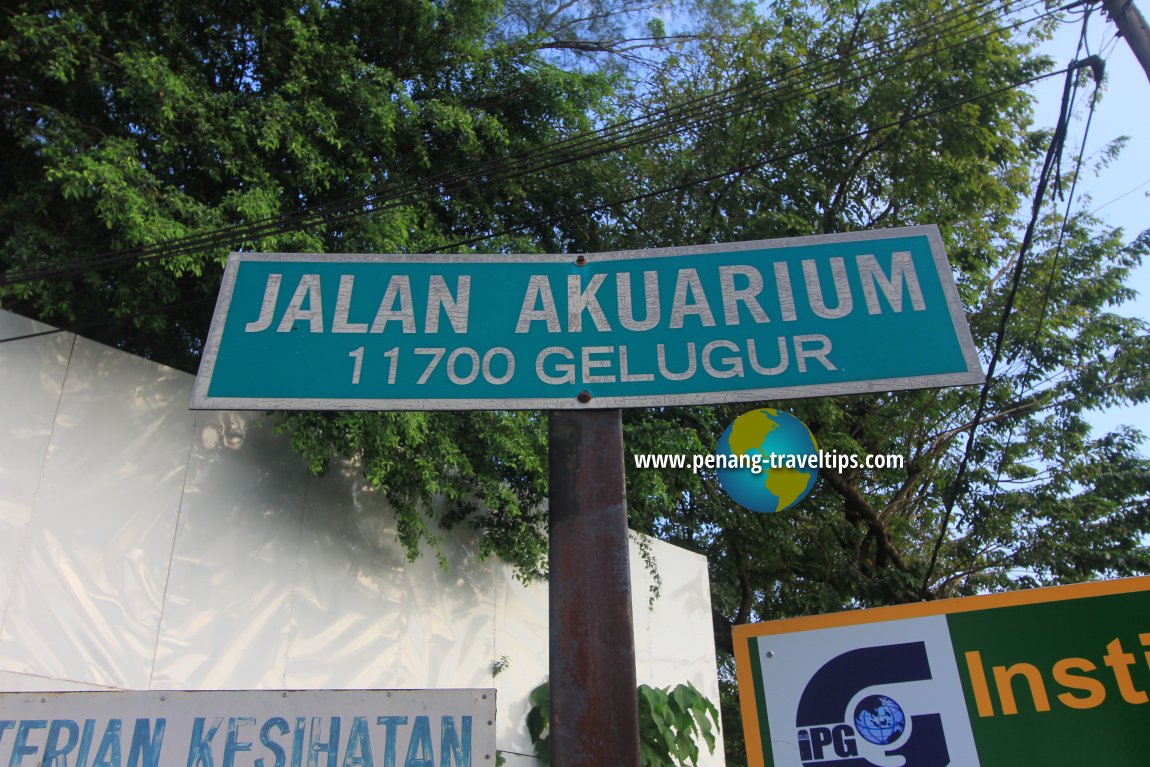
<point>1132,26</point>
<point>594,702</point>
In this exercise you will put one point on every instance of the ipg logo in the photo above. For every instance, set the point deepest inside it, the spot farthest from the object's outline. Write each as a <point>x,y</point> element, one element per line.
<point>838,725</point>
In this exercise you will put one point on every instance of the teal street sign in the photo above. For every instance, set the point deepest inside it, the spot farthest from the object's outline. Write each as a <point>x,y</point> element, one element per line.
<point>750,321</point>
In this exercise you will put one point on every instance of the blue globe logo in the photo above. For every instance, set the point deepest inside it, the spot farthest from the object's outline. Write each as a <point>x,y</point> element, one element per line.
<point>759,434</point>
<point>880,720</point>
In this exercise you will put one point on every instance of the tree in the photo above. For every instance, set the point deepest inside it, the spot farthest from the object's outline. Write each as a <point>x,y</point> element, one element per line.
<point>629,38</point>
<point>136,123</point>
<point>965,167</point>
<point>1044,501</point>
<point>141,122</point>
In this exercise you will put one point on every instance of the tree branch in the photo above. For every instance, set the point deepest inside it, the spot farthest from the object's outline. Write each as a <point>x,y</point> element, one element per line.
<point>1017,409</point>
<point>615,47</point>
<point>862,509</point>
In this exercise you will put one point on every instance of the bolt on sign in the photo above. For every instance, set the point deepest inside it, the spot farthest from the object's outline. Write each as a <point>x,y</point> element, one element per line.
<point>1058,677</point>
<point>773,319</point>
<point>253,728</point>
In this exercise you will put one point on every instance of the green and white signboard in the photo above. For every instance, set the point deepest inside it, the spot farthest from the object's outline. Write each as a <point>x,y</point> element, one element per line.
<point>1058,677</point>
<point>860,312</point>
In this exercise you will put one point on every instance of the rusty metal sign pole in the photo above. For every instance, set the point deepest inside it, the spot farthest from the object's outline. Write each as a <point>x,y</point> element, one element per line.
<point>594,708</point>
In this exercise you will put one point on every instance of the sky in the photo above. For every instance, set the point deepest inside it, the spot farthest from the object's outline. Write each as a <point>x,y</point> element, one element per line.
<point>1120,194</point>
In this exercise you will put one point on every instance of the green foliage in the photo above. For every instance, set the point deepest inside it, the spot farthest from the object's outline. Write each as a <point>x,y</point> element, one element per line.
<point>128,124</point>
<point>484,468</point>
<point>671,721</point>
<point>538,721</point>
<point>865,537</point>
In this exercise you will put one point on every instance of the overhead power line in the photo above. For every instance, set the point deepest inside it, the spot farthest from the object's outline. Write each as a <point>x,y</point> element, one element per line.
<point>640,197</point>
<point>78,326</point>
<point>925,40</point>
<point>957,486</point>
<point>665,122</point>
<point>761,162</point>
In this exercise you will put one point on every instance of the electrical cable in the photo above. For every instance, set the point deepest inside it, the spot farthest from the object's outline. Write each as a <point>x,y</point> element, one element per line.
<point>1097,70</point>
<point>1053,154</point>
<point>757,164</point>
<point>278,225</point>
<point>75,327</point>
<point>590,145</point>
<point>681,186</point>
<point>709,178</point>
<point>1122,196</point>
<point>678,187</point>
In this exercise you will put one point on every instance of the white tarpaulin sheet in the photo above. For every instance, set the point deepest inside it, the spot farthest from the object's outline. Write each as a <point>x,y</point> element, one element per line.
<point>147,547</point>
